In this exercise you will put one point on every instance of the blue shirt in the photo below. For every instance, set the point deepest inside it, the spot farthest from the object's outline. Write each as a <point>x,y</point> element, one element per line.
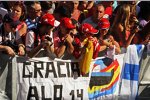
<point>31,24</point>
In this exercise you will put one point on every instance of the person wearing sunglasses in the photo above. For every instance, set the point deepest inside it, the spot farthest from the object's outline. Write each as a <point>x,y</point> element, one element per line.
<point>33,14</point>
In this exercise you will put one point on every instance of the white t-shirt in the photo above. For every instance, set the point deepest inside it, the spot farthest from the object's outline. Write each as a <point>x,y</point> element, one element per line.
<point>29,43</point>
<point>30,39</point>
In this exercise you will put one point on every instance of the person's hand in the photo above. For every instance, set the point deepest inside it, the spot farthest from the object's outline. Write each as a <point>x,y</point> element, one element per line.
<point>21,51</point>
<point>133,18</point>
<point>69,38</point>
<point>111,46</point>
<point>93,39</point>
<point>147,40</point>
<point>111,38</point>
<point>46,43</point>
<point>64,38</point>
<point>134,29</point>
<point>9,51</point>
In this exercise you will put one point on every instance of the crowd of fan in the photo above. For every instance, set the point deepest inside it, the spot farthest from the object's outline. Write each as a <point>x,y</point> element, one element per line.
<point>68,29</point>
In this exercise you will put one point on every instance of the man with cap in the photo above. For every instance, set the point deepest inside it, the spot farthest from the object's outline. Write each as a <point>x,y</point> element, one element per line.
<point>90,46</point>
<point>42,37</point>
<point>107,40</point>
<point>88,32</point>
<point>63,39</point>
<point>103,26</point>
<point>10,40</point>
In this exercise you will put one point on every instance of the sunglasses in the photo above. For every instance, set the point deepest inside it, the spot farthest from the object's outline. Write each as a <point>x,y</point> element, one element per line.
<point>38,10</point>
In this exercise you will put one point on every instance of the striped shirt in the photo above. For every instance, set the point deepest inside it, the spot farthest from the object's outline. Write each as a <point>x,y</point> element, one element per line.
<point>32,24</point>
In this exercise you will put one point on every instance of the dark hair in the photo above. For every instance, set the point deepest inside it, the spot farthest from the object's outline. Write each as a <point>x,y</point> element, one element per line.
<point>144,9</point>
<point>74,21</point>
<point>63,11</point>
<point>23,7</point>
<point>41,25</point>
<point>31,3</point>
<point>46,5</point>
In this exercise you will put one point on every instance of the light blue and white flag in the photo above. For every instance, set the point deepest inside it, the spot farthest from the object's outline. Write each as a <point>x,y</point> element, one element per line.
<point>130,73</point>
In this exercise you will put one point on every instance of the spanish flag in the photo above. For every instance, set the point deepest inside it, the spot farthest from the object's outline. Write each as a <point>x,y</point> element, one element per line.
<point>87,58</point>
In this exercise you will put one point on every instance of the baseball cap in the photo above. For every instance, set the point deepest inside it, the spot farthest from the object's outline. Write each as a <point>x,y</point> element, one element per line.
<point>12,19</point>
<point>49,19</point>
<point>88,28</point>
<point>104,24</point>
<point>67,23</point>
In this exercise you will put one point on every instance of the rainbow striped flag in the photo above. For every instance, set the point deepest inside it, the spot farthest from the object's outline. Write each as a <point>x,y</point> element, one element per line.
<point>104,78</point>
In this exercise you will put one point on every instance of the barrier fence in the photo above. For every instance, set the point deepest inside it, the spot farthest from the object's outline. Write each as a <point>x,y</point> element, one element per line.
<point>120,78</point>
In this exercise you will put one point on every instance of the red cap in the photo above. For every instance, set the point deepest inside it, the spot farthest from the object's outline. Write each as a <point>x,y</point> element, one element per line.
<point>88,28</point>
<point>67,23</point>
<point>49,19</point>
<point>104,24</point>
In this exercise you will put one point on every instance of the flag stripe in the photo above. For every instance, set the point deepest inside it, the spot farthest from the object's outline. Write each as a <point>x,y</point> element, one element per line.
<point>101,74</point>
<point>131,72</point>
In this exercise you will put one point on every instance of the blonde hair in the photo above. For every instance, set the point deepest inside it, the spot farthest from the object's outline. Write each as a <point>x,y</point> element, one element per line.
<point>122,16</point>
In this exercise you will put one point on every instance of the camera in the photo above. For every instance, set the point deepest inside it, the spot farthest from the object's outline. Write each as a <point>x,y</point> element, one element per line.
<point>48,38</point>
<point>137,25</point>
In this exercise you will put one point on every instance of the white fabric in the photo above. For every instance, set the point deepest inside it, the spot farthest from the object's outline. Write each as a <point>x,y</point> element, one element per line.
<point>129,88</point>
<point>10,36</point>
<point>56,23</point>
<point>29,42</point>
<point>70,86</point>
<point>111,52</point>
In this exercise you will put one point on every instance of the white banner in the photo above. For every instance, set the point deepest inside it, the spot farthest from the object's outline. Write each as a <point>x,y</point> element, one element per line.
<point>44,79</point>
<point>51,80</point>
<point>41,79</point>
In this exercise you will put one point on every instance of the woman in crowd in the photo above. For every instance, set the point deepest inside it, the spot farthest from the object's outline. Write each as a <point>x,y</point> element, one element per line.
<point>120,29</point>
<point>20,10</point>
<point>10,40</point>
<point>76,12</point>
